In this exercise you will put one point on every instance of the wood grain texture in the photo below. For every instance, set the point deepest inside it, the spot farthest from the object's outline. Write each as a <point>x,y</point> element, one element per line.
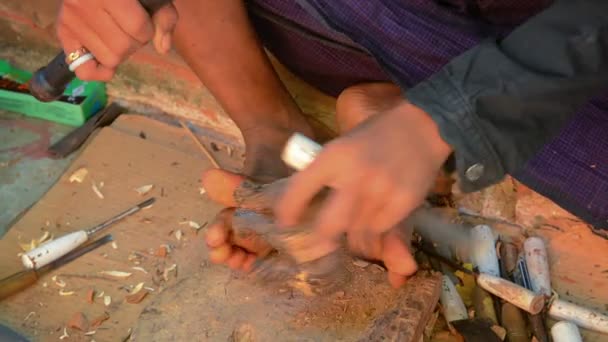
<point>406,322</point>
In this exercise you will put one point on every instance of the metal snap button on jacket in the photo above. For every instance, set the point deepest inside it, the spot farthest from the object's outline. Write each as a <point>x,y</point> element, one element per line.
<point>474,172</point>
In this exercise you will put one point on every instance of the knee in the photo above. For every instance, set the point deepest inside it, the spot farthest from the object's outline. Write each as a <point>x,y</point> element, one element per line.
<point>357,103</point>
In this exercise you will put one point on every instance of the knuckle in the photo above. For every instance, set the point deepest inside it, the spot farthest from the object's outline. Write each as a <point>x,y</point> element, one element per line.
<point>141,29</point>
<point>110,61</point>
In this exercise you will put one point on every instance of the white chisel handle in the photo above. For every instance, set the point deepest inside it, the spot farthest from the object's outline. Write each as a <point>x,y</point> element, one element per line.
<point>53,250</point>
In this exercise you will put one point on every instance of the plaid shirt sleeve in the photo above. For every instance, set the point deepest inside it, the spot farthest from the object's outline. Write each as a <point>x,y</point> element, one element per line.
<point>498,103</point>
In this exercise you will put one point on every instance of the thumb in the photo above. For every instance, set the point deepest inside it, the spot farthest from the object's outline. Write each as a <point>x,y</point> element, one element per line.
<point>164,21</point>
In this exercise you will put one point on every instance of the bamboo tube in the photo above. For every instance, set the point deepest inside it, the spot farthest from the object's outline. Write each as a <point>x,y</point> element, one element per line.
<point>453,307</point>
<point>512,293</point>
<point>565,331</point>
<point>581,316</point>
<point>483,251</point>
<point>538,265</point>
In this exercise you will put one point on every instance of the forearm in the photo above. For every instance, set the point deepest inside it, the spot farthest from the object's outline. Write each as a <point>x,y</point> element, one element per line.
<point>217,41</point>
<point>498,103</point>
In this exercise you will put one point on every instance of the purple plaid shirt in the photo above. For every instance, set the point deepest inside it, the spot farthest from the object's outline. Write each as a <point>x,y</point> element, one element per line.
<point>410,41</point>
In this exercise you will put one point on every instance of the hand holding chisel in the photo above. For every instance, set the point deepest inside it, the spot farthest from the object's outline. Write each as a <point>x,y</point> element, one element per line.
<point>122,23</point>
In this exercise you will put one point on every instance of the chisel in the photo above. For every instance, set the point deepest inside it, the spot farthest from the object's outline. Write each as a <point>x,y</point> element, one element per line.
<point>21,280</point>
<point>55,249</point>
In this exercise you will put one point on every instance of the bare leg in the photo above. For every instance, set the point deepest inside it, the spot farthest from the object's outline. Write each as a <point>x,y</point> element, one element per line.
<point>218,43</point>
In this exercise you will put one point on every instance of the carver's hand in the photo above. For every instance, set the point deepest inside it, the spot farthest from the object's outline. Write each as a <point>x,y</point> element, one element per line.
<point>111,30</point>
<point>237,251</point>
<point>379,172</point>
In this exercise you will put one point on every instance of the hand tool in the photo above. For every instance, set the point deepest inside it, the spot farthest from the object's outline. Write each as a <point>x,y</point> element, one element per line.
<point>300,151</point>
<point>77,137</point>
<point>19,281</point>
<point>54,249</point>
<point>49,82</point>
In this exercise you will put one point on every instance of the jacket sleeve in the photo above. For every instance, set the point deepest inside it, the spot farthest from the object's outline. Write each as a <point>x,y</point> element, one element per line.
<point>498,103</point>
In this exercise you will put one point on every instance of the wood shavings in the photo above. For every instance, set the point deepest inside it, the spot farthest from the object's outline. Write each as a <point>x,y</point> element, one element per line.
<point>151,289</point>
<point>79,175</point>
<point>144,189</point>
<point>96,190</point>
<point>202,191</point>
<point>107,300</point>
<point>141,269</point>
<point>192,224</point>
<point>100,294</point>
<point>29,315</point>
<point>116,274</point>
<point>169,270</point>
<point>79,322</point>
<point>178,234</point>
<point>90,296</point>
<point>97,321</point>
<point>26,247</point>
<point>59,282</point>
<point>137,288</point>
<point>136,298</point>
<point>44,284</point>
<point>65,293</point>
<point>229,149</point>
<point>90,333</point>
<point>47,236</point>
<point>65,334</point>
<point>114,245</point>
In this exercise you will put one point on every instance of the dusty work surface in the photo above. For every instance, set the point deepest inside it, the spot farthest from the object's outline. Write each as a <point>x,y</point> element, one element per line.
<point>208,301</point>
<point>198,301</point>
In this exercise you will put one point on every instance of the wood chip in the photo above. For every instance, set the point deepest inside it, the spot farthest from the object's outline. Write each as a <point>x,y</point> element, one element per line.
<point>65,334</point>
<point>137,288</point>
<point>99,320</point>
<point>59,282</point>
<point>114,245</point>
<point>116,274</point>
<point>100,294</point>
<point>144,189</point>
<point>141,269</point>
<point>96,190</point>
<point>137,297</point>
<point>107,300</point>
<point>32,313</point>
<point>65,293</point>
<point>90,296</point>
<point>202,191</point>
<point>46,236</point>
<point>168,270</point>
<point>90,333</point>
<point>79,175</point>
<point>178,234</point>
<point>79,322</point>
<point>162,251</point>
<point>192,224</point>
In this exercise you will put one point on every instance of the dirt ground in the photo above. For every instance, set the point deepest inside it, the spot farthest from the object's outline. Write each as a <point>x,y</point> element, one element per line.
<point>196,300</point>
